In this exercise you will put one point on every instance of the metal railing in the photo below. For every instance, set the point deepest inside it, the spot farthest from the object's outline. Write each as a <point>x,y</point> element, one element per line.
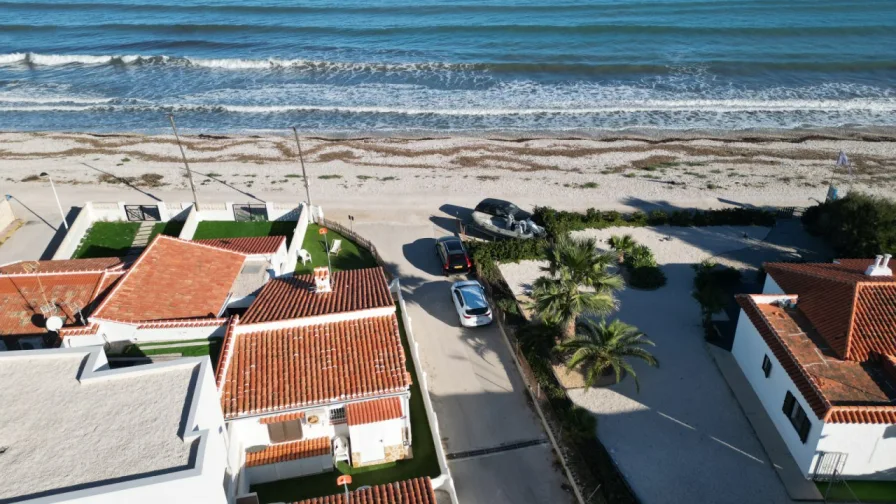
<point>359,240</point>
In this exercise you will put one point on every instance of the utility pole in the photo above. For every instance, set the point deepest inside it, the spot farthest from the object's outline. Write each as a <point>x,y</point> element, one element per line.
<point>187,165</point>
<point>58,204</point>
<point>302,161</point>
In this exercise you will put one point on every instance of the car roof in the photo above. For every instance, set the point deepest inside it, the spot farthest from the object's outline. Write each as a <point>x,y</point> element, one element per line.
<point>474,296</point>
<point>452,244</point>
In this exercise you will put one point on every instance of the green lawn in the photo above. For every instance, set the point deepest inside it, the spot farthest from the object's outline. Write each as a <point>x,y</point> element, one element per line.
<point>424,462</point>
<point>211,348</point>
<point>350,257</point>
<point>107,239</point>
<point>232,229</point>
<point>170,228</point>
<point>866,491</point>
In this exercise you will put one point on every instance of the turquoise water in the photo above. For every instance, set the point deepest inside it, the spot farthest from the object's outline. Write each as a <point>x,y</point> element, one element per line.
<point>435,65</point>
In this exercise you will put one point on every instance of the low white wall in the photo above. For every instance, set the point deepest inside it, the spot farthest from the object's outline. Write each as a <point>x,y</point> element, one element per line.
<point>872,456</point>
<point>6,214</point>
<point>216,211</point>
<point>190,225</point>
<point>444,482</point>
<point>283,211</point>
<point>290,469</point>
<point>298,238</point>
<point>75,233</point>
<point>749,350</point>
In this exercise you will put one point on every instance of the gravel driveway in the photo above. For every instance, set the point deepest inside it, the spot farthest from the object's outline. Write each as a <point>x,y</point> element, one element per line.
<point>683,438</point>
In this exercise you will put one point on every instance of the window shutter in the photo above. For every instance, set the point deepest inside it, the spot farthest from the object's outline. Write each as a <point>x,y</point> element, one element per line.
<point>293,430</point>
<point>805,425</point>
<point>789,401</point>
<point>276,432</point>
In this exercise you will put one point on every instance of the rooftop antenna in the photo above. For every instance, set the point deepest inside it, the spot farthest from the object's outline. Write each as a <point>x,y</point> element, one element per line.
<point>48,309</point>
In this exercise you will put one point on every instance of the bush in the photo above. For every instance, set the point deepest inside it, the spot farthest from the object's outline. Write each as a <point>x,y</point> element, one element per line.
<point>486,255</point>
<point>858,225</point>
<point>558,223</point>
<point>647,277</point>
<point>643,270</point>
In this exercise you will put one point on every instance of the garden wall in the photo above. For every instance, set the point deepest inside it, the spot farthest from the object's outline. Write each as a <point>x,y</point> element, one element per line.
<point>298,237</point>
<point>6,214</point>
<point>75,233</point>
<point>444,482</point>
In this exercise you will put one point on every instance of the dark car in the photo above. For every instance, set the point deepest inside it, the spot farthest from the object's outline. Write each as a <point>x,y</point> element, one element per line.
<point>452,255</point>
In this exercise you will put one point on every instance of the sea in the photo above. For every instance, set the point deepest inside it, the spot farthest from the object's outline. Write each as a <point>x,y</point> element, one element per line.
<point>418,66</point>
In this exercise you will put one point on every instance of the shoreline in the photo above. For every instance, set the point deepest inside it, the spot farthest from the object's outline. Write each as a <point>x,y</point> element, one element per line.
<point>658,135</point>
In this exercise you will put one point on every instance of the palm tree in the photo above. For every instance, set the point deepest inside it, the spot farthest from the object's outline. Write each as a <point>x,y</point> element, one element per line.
<point>602,348</point>
<point>581,260</point>
<point>560,301</point>
<point>622,245</point>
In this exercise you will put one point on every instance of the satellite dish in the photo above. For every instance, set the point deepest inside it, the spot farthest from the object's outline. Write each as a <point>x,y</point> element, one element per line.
<point>54,323</point>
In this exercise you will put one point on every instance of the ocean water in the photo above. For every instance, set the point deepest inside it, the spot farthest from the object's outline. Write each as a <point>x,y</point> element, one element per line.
<point>440,65</point>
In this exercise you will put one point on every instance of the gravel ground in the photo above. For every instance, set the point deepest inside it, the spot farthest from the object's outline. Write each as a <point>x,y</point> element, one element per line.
<point>683,438</point>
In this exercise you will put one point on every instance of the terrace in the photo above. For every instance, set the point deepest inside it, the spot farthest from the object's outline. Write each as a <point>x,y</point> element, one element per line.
<point>351,256</point>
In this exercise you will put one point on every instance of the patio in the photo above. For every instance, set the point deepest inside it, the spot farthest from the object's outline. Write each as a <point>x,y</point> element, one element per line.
<point>351,256</point>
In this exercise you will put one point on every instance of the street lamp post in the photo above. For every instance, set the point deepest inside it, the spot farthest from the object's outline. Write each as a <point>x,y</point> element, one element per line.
<point>302,161</point>
<point>58,204</point>
<point>187,165</point>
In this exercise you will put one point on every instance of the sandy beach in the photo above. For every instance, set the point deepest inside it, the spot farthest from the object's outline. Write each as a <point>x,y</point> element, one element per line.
<point>784,168</point>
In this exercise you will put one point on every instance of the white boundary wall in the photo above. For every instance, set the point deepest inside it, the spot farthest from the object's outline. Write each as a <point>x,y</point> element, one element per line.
<point>75,233</point>
<point>444,482</point>
<point>298,238</point>
<point>6,214</point>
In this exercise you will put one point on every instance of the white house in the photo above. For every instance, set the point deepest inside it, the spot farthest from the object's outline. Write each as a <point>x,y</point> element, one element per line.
<point>181,290</point>
<point>315,374</point>
<point>818,347</point>
<point>74,431</point>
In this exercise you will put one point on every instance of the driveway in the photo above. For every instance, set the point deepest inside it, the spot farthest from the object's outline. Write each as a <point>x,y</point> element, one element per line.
<point>476,391</point>
<point>683,437</point>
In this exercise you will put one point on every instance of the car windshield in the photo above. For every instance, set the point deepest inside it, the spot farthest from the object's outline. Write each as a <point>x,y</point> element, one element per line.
<point>474,300</point>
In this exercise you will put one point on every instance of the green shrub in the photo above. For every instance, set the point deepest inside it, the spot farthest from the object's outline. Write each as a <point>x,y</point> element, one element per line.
<point>647,277</point>
<point>657,218</point>
<point>640,256</point>
<point>858,225</point>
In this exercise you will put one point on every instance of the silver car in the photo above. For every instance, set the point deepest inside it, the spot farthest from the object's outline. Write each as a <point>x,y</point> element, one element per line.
<point>471,304</point>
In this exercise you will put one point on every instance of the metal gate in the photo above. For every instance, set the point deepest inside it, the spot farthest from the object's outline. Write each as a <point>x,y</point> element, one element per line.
<point>249,212</point>
<point>142,212</point>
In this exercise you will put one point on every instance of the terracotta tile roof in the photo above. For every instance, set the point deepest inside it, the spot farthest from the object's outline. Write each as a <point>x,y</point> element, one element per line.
<point>62,266</point>
<point>286,369</point>
<point>285,452</point>
<point>21,298</point>
<point>169,324</point>
<point>855,313</point>
<point>294,297</point>
<point>836,390</point>
<point>378,410</point>
<point>286,417</point>
<point>173,279</point>
<point>413,491</point>
<point>249,245</point>
<point>90,330</point>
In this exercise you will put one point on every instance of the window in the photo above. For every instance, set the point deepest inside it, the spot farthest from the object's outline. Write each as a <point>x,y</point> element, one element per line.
<point>766,366</point>
<point>281,432</point>
<point>337,415</point>
<point>797,416</point>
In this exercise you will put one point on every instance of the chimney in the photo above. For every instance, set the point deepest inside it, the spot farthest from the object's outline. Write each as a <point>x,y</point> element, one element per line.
<point>322,279</point>
<point>880,268</point>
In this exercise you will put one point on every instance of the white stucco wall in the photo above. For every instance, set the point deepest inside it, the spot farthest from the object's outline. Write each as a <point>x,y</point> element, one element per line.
<point>772,287</point>
<point>749,350</point>
<point>203,484</point>
<point>370,439</point>
<point>6,214</point>
<point>871,455</point>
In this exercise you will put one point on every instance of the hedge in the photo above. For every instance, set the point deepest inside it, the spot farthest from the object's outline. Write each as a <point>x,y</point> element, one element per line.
<point>560,222</point>
<point>858,225</point>
<point>643,270</point>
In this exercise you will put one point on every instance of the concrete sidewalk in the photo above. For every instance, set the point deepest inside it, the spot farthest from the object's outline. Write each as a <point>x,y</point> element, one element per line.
<point>797,486</point>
